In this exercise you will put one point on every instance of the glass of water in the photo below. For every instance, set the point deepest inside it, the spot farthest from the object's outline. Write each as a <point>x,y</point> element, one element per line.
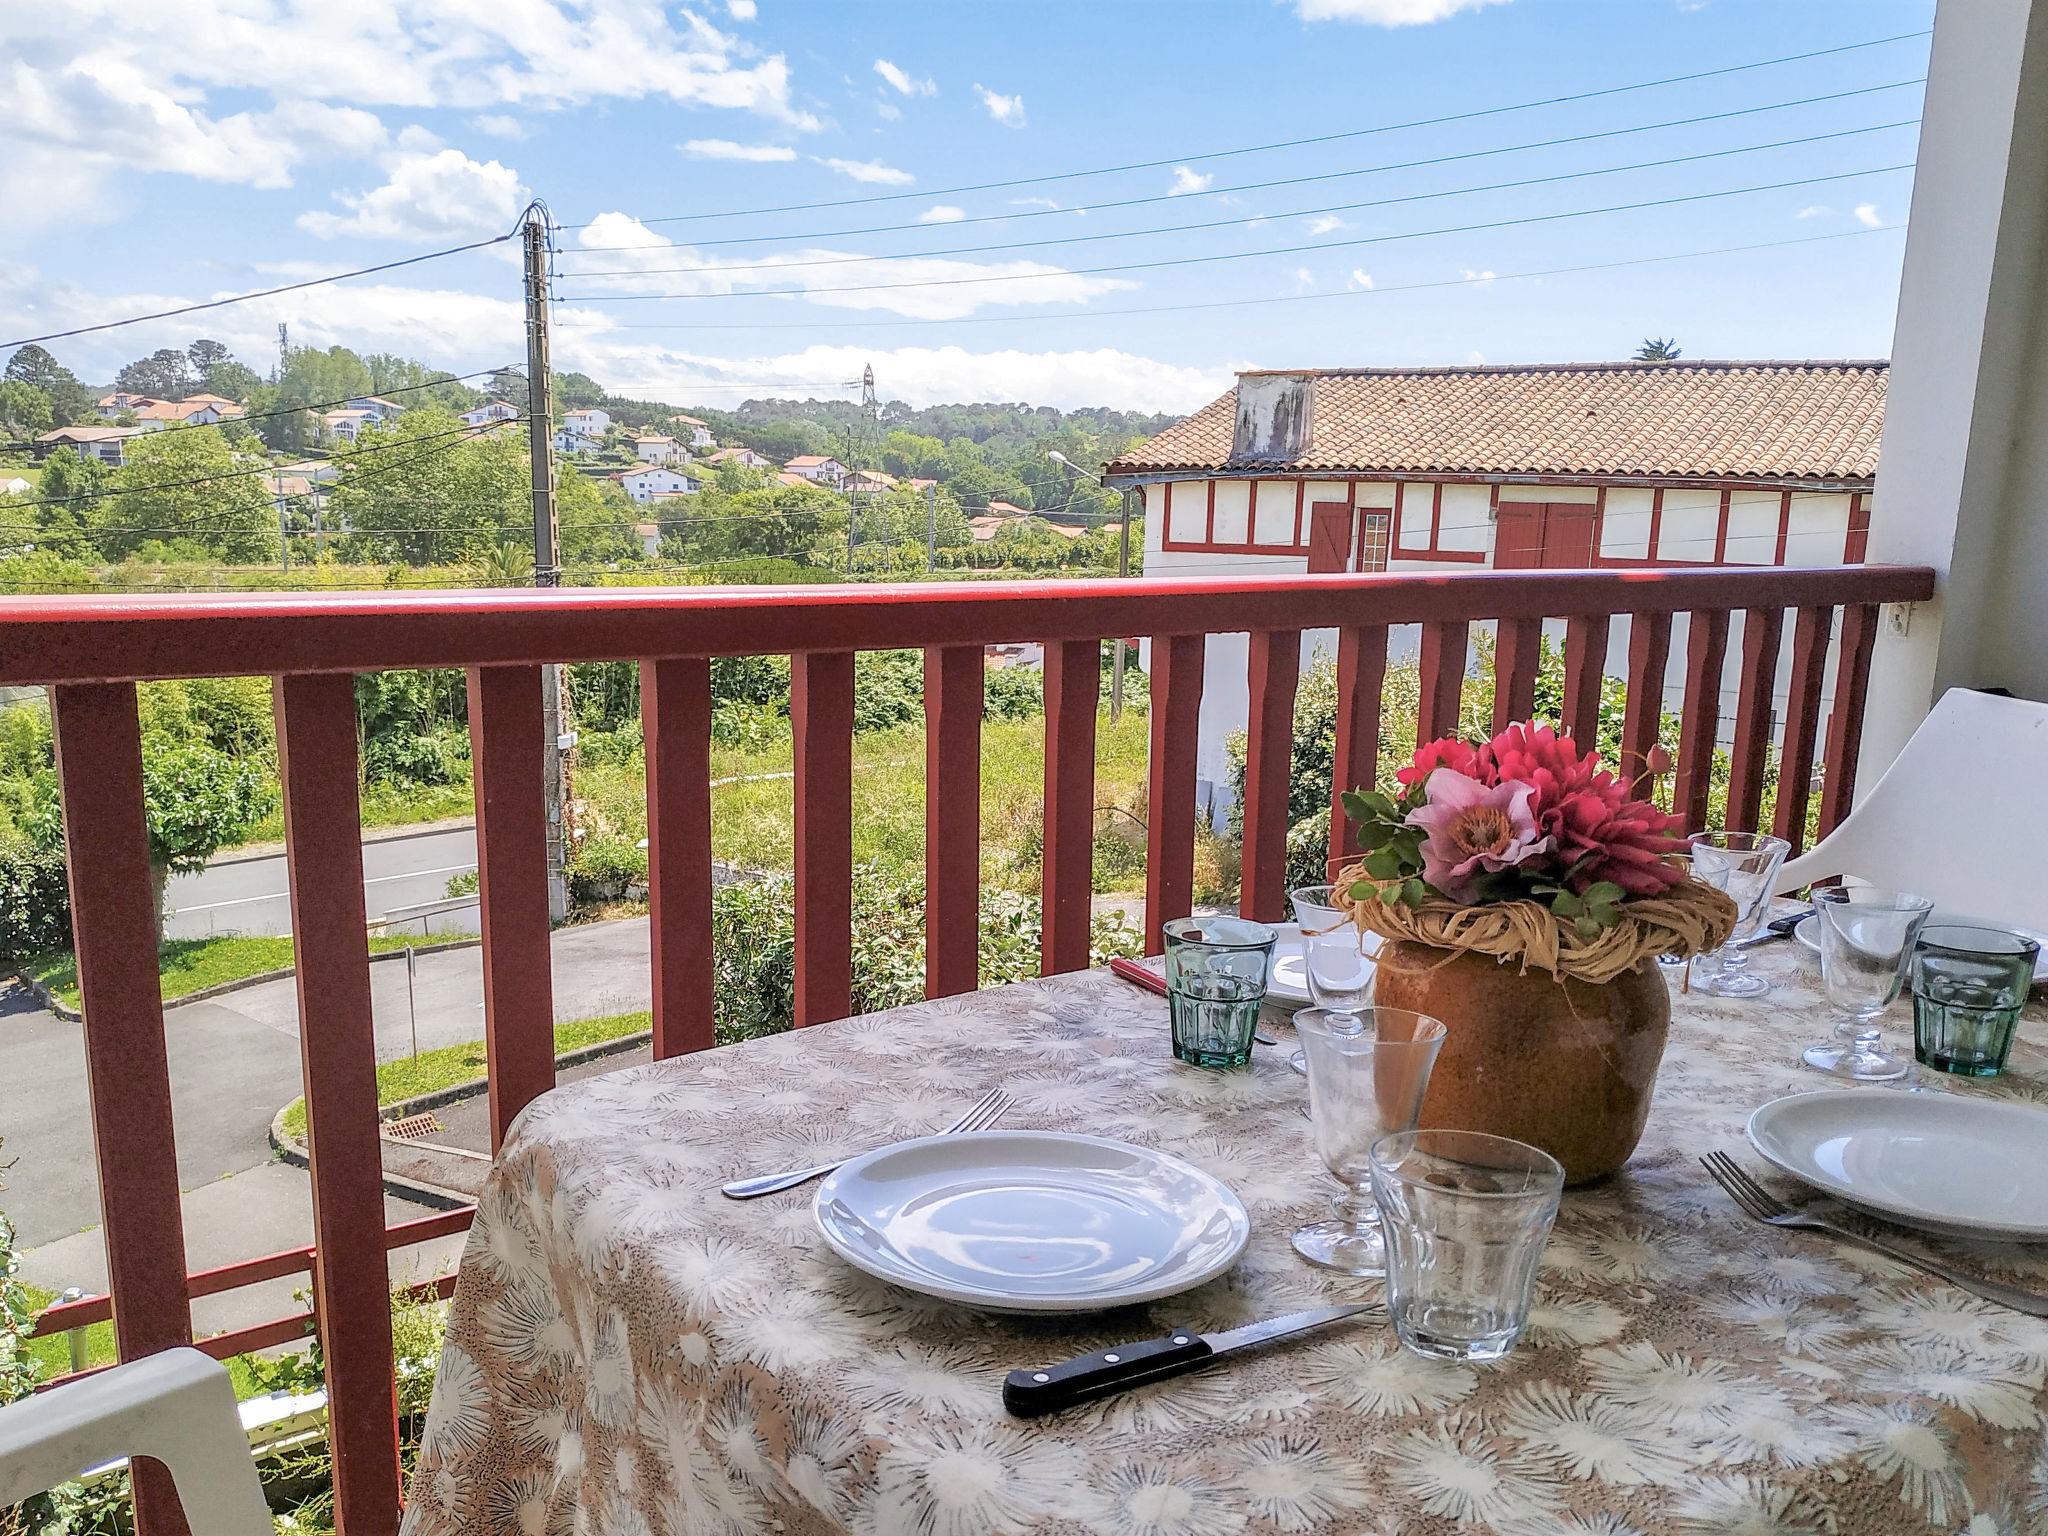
<point>1746,864</point>
<point>1466,1216</point>
<point>1216,969</point>
<point>1367,1073</point>
<point>1969,985</point>
<point>1866,941</point>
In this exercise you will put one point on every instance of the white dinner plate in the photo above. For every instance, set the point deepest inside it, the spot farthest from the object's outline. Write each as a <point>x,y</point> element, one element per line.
<point>1031,1221</point>
<point>1967,1167</point>
<point>1807,932</point>
<point>1287,982</point>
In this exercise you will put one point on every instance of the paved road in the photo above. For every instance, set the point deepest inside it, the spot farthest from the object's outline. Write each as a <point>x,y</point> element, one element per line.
<point>248,894</point>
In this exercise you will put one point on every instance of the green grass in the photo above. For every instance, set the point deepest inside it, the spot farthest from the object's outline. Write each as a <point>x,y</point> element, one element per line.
<point>431,1071</point>
<point>191,965</point>
<point>53,1354</point>
<point>386,805</point>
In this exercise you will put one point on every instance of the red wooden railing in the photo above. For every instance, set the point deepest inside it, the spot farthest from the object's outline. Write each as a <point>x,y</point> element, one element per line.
<point>93,650</point>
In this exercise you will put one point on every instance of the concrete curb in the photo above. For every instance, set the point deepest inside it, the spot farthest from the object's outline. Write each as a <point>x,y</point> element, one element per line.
<point>293,1151</point>
<point>255,851</point>
<point>49,999</point>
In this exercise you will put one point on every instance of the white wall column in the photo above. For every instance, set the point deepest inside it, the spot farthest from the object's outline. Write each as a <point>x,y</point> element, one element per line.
<point>1963,481</point>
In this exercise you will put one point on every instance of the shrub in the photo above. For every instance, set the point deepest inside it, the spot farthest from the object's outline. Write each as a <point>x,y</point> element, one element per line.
<point>35,901</point>
<point>439,756</point>
<point>603,866</point>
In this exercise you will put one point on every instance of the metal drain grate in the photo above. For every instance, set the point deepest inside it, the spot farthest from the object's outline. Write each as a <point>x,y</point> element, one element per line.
<point>413,1127</point>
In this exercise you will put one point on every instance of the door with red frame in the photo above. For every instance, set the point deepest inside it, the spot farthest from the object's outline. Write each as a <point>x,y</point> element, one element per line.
<point>1552,535</point>
<point>1329,537</point>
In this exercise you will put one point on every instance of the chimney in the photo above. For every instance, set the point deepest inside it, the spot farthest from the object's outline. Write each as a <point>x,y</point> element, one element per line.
<point>1274,415</point>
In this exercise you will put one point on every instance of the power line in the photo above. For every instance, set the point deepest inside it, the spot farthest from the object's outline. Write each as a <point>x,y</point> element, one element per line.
<point>1278,250</point>
<point>605,323</point>
<point>773,266</point>
<point>261,293</point>
<point>1250,186</point>
<point>1323,138</point>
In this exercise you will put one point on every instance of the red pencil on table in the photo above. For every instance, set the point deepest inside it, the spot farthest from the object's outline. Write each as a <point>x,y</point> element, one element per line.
<point>1133,972</point>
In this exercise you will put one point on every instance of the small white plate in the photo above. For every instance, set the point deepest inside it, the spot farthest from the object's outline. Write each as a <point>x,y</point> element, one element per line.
<point>1807,932</point>
<point>1287,982</point>
<point>1965,1167</point>
<point>1032,1221</point>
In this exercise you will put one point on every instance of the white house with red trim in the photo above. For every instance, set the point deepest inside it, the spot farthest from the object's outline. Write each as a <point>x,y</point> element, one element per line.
<point>656,480</point>
<point>1539,466</point>
<point>696,433</point>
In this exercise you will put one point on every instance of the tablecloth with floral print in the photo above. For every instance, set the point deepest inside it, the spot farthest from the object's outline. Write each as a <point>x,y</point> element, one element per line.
<point>631,1353</point>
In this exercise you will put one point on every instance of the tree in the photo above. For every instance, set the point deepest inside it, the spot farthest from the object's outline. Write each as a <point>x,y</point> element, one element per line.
<point>1658,349</point>
<point>218,373</point>
<point>70,401</point>
<point>24,409</point>
<point>228,514</point>
<point>166,374</point>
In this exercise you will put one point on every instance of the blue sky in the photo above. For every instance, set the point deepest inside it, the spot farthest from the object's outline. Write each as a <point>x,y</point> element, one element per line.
<point>176,152</point>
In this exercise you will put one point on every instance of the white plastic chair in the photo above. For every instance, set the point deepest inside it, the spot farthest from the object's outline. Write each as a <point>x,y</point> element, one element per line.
<point>178,1407</point>
<point>1961,815</point>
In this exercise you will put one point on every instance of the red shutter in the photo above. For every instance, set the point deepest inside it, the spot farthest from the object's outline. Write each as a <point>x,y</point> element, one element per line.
<point>1568,533</point>
<point>1518,536</point>
<point>1329,538</point>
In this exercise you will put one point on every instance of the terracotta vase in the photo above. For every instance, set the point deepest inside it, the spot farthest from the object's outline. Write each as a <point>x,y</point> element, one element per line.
<point>1568,1066</point>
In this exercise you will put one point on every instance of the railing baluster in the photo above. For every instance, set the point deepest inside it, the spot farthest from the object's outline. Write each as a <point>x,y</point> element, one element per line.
<point>316,760</point>
<point>675,723</point>
<point>952,818</point>
<point>1517,647</point>
<point>821,719</point>
<point>1649,656</point>
<point>1170,806</point>
<point>1762,630</point>
<point>1845,725</point>
<point>1073,683</point>
<point>1443,678</point>
<point>505,727</point>
<point>1706,649</point>
<point>1273,674</point>
<point>1802,723</point>
<point>128,1075</point>
<point>1361,680</point>
<point>1585,669</point>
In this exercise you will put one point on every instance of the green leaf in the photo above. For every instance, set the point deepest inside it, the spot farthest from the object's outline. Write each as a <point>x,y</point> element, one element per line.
<point>1385,864</point>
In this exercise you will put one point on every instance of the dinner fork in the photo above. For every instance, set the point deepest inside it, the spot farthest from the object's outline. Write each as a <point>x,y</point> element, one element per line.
<point>1759,1204</point>
<point>987,1110</point>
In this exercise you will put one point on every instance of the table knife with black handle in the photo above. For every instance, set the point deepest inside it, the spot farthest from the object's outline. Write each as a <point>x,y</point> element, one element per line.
<point>1028,1394</point>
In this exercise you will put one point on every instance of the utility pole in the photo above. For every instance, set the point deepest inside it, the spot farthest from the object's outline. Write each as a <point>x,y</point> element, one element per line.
<point>547,568</point>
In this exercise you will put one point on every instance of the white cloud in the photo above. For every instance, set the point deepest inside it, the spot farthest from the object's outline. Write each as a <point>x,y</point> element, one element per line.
<point>1325,223</point>
<point>499,125</point>
<point>870,172</point>
<point>1360,278</point>
<point>647,264</point>
<point>1303,279</point>
<point>1004,109</point>
<point>1386,13</point>
<point>437,195</point>
<point>888,112</point>
<point>1478,279</point>
<point>741,10</point>
<point>942,213</point>
<point>1185,181</point>
<point>726,149</point>
<point>901,80</point>
<point>1814,211</point>
<point>1866,215</point>
<point>1040,202</point>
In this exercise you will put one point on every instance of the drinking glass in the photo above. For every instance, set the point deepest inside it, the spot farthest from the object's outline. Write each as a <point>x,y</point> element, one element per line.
<point>1367,1072</point>
<point>1216,970</point>
<point>1969,985</point>
<point>1710,874</point>
<point>1866,943</point>
<point>1338,973</point>
<point>1315,907</point>
<point>1466,1218</point>
<point>1747,863</point>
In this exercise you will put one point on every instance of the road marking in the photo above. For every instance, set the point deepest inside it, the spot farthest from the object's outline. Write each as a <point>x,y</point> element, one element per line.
<point>285,895</point>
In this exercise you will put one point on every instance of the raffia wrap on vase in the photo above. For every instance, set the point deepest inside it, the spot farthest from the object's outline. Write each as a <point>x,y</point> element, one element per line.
<point>1551,1038</point>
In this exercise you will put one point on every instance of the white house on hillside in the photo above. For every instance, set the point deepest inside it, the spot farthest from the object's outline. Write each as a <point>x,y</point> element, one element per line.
<point>745,457</point>
<point>377,406</point>
<point>697,432</point>
<point>819,469</point>
<point>192,411</point>
<point>655,448</point>
<point>110,406</point>
<point>348,425</point>
<point>491,411</point>
<point>107,444</point>
<point>653,480</point>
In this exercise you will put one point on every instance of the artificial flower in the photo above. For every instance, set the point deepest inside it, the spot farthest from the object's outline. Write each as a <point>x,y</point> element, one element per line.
<point>1473,829</point>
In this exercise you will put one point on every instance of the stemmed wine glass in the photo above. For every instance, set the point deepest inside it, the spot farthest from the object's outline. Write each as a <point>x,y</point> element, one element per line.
<point>1367,1072</point>
<point>1746,864</point>
<point>1707,874</point>
<point>1334,960</point>
<point>1867,939</point>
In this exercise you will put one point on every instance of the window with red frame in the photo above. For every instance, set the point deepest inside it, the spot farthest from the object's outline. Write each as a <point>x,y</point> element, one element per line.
<point>1375,540</point>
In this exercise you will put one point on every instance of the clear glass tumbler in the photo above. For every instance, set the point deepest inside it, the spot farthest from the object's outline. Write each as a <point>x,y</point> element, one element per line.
<point>1315,908</point>
<point>1466,1216</point>
<point>1866,943</point>
<point>1216,970</point>
<point>1969,985</point>
<point>1747,864</point>
<point>1367,1072</point>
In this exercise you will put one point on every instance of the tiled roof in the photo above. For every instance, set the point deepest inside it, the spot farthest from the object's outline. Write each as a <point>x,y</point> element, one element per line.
<point>1774,420</point>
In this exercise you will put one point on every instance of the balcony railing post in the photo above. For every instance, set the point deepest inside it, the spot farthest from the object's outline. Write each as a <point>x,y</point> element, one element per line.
<point>1273,673</point>
<point>1649,657</point>
<point>128,1076</point>
<point>1802,723</point>
<point>675,724</point>
<point>1762,629</point>
<point>1170,800</point>
<point>1585,671</point>
<point>952,819</point>
<point>821,720</point>
<point>1361,684</point>
<point>505,724</point>
<point>1517,651</point>
<point>316,752</point>
<point>1073,685</point>
<point>1442,665</point>
<point>1706,649</point>
<point>1845,724</point>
